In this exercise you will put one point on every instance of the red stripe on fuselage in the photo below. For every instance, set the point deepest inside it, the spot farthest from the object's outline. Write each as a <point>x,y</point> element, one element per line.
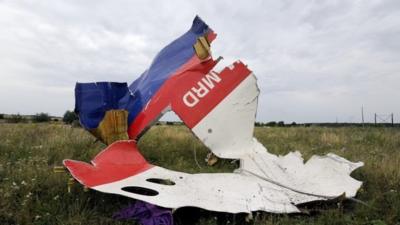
<point>163,97</point>
<point>203,94</point>
<point>176,88</point>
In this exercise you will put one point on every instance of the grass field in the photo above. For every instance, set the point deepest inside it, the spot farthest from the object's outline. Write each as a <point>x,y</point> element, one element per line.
<point>30,193</point>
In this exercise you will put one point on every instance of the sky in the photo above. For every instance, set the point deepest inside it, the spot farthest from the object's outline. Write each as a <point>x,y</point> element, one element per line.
<point>316,61</point>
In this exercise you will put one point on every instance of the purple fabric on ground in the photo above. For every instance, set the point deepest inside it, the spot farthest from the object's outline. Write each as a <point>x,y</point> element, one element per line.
<point>146,214</point>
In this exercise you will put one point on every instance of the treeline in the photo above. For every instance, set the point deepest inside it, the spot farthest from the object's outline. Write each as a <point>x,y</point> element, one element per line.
<point>294,124</point>
<point>37,118</point>
<point>69,118</point>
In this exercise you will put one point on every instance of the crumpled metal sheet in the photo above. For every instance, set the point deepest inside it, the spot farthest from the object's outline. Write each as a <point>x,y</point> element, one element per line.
<point>264,181</point>
<point>220,109</point>
<point>189,52</point>
<point>228,131</point>
<point>236,192</point>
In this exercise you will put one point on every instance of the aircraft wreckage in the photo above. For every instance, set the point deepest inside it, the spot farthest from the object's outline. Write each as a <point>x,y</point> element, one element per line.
<point>220,109</point>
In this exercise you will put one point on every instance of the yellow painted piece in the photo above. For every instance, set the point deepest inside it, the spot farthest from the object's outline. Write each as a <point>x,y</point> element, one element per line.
<point>202,48</point>
<point>70,183</point>
<point>59,169</point>
<point>113,127</point>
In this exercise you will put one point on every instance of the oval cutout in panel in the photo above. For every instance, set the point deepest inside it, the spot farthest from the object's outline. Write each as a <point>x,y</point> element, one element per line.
<point>140,190</point>
<point>161,181</point>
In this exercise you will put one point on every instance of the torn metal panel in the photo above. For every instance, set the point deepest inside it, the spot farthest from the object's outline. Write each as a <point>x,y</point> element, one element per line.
<point>189,52</point>
<point>228,131</point>
<point>220,109</point>
<point>223,119</point>
<point>227,192</point>
<point>227,128</point>
<point>93,100</point>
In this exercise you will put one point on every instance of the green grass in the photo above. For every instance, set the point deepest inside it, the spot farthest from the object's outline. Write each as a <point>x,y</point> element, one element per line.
<point>30,193</point>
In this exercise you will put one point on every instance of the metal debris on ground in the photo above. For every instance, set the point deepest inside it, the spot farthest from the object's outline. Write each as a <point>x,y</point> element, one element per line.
<point>220,109</point>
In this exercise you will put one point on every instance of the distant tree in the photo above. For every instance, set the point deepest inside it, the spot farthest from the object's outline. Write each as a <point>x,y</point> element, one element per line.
<point>1,116</point>
<point>15,118</point>
<point>41,117</point>
<point>170,123</point>
<point>271,124</point>
<point>281,124</point>
<point>293,124</point>
<point>69,117</point>
<point>258,124</point>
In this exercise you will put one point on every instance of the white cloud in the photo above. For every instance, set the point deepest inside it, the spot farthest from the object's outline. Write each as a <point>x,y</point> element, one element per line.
<point>315,61</point>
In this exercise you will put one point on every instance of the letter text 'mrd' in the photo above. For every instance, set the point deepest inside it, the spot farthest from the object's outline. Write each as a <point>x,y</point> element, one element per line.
<point>204,86</point>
